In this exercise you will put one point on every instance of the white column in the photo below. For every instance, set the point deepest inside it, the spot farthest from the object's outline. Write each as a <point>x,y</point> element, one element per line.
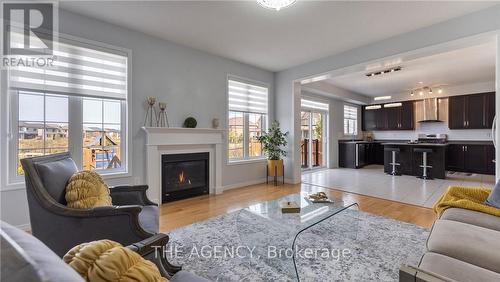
<point>497,106</point>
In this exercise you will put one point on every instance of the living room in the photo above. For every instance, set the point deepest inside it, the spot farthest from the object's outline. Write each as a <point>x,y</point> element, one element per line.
<point>175,109</point>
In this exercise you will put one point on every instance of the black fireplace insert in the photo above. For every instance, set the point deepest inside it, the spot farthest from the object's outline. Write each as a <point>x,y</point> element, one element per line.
<point>184,176</point>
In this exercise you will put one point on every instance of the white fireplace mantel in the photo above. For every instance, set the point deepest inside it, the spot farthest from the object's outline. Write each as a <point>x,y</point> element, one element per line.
<point>176,140</point>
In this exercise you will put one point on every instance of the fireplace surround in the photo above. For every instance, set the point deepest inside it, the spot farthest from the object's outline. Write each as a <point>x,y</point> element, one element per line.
<point>174,140</point>
<point>184,175</point>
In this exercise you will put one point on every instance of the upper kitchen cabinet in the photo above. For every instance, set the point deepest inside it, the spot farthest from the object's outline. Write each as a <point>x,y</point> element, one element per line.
<point>475,111</point>
<point>391,116</point>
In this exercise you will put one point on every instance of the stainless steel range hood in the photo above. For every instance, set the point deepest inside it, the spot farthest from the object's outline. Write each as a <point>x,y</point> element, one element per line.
<point>431,110</point>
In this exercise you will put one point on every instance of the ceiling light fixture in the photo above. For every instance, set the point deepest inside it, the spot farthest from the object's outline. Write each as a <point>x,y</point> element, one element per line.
<point>382,98</point>
<point>373,107</point>
<point>430,90</point>
<point>440,90</point>
<point>394,69</point>
<point>275,4</point>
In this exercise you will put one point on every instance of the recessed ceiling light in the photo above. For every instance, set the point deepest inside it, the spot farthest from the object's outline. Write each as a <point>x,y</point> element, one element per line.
<point>421,93</point>
<point>394,69</point>
<point>382,98</point>
<point>440,90</point>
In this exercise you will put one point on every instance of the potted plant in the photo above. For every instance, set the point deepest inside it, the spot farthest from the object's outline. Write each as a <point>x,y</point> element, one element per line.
<point>272,143</point>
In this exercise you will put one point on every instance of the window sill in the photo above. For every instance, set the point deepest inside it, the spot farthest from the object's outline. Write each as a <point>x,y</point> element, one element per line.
<point>246,161</point>
<point>114,174</point>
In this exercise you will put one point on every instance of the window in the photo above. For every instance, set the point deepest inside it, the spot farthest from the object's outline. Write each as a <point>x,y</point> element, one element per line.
<point>79,105</point>
<point>350,120</point>
<point>42,125</point>
<point>101,134</point>
<point>247,119</point>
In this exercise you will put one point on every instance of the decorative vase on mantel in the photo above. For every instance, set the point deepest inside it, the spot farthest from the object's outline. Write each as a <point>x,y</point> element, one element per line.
<point>150,118</point>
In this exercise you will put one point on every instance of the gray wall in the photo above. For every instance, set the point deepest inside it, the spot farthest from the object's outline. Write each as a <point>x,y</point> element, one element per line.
<point>288,109</point>
<point>192,82</point>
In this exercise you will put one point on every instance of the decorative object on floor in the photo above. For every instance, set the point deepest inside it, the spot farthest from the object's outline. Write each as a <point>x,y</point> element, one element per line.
<point>290,207</point>
<point>162,120</point>
<point>470,198</point>
<point>382,245</point>
<point>319,197</point>
<point>190,122</point>
<point>215,123</point>
<point>276,4</point>
<point>150,118</point>
<point>106,260</point>
<point>86,190</point>
<point>272,142</point>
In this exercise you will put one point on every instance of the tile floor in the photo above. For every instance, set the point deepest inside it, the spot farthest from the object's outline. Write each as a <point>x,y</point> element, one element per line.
<point>372,181</point>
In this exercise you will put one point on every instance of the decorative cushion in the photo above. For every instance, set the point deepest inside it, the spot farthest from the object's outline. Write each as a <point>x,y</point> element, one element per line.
<point>494,197</point>
<point>86,189</point>
<point>105,260</point>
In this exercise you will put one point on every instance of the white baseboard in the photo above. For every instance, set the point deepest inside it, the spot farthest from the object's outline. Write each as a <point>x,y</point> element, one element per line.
<point>243,184</point>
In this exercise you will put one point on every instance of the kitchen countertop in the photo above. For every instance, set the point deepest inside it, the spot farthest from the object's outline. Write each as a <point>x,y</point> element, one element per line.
<point>404,142</point>
<point>415,144</point>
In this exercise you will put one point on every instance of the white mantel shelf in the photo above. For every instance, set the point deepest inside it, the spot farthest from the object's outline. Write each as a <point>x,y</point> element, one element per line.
<point>177,140</point>
<point>180,129</point>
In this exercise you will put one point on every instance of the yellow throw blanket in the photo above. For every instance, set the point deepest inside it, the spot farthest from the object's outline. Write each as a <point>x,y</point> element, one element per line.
<point>471,198</point>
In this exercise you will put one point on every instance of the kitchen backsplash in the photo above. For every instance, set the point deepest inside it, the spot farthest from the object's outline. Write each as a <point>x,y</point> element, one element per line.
<point>435,127</point>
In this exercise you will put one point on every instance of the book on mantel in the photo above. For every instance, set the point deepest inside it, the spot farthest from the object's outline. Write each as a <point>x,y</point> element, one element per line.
<point>290,207</point>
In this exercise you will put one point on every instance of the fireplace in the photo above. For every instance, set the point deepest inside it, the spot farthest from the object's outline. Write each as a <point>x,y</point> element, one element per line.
<point>184,176</point>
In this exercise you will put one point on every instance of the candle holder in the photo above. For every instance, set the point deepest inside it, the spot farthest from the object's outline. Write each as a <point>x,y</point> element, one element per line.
<point>162,120</point>
<point>151,112</point>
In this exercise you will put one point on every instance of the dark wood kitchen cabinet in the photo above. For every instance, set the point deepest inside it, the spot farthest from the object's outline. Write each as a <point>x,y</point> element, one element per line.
<point>388,118</point>
<point>474,111</point>
<point>474,158</point>
<point>358,154</point>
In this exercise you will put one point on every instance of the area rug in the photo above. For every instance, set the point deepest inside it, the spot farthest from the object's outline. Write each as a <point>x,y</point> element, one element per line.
<point>351,246</point>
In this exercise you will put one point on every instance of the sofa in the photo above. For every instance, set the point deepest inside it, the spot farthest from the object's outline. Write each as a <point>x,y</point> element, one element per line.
<point>25,258</point>
<point>463,245</point>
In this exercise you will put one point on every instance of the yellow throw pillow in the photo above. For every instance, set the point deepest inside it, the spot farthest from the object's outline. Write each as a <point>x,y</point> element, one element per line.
<point>86,189</point>
<point>105,260</point>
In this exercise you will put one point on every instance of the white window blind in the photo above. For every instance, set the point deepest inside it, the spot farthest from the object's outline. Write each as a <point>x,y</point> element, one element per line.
<point>309,104</point>
<point>89,71</point>
<point>246,97</point>
<point>350,120</point>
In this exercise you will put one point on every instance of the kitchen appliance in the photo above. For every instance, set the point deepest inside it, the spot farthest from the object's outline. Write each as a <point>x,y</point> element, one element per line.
<point>432,138</point>
<point>431,110</point>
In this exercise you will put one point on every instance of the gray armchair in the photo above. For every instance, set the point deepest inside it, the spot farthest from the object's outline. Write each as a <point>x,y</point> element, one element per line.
<point>132,218</point>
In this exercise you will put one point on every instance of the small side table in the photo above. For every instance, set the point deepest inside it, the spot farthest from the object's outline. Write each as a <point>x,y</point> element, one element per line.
<point>275,171</point>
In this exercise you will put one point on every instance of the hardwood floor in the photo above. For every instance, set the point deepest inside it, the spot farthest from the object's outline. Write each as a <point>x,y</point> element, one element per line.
<point>184,212</point>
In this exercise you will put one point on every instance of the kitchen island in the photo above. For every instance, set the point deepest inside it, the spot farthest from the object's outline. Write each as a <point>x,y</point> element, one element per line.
<point>410,160</point>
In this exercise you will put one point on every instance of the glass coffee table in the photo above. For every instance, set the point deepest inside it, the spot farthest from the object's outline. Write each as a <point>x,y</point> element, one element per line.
<point>271,236</point>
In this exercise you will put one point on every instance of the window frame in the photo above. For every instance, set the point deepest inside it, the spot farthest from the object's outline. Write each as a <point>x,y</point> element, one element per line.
<point>246,128</point>
<point>350,119</point>
<point>75,117</point>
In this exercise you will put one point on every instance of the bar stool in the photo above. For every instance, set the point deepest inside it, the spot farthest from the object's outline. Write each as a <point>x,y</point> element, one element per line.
<point>393,163</point>
<point>424,165</point>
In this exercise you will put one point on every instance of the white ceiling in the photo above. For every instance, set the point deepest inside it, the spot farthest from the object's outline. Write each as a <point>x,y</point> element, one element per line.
<point>246,32</point>
<point>458,67</point>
